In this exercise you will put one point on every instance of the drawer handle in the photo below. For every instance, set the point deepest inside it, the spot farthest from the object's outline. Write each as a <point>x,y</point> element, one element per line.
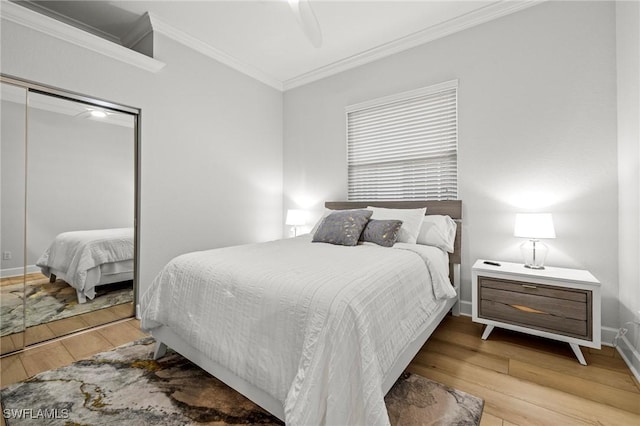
<point>532,287</point>
<point>527,309</point>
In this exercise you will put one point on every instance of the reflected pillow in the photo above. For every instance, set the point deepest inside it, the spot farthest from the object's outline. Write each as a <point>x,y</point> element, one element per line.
<point>382,232</point>
<point>411,221</point>
<point>438,231</point>
<point>342,227</point>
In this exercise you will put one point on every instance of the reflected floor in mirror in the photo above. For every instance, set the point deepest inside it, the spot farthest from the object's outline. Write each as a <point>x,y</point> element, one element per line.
<point>52,309</point>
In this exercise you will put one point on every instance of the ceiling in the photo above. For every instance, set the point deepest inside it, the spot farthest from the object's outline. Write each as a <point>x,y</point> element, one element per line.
<point>265,35</point>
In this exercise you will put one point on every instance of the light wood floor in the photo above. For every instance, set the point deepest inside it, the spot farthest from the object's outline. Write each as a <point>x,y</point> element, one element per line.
<point>523,379</point>
<point>14,280</point>
<point>64,351</point>
<point>529,380</point>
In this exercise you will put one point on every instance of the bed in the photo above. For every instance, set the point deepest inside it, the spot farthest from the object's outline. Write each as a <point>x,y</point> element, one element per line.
<point>313,333</point>
<point>87,259</point>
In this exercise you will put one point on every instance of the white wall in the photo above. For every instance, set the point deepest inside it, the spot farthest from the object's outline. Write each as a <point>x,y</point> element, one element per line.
<point>537,132</point>
<point>537,110</point>
<point>211,148</point>
<point>628,71</point>
<point>80,176</point>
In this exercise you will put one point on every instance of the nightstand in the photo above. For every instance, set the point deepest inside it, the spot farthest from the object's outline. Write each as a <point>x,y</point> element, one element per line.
<point>557,303</point>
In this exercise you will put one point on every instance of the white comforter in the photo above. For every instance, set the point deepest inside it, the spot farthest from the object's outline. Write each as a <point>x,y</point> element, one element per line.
<point>76,252</point>
<point>315,325</point>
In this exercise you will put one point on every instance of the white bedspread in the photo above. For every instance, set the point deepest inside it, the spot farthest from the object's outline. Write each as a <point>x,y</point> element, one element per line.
<point>77,252</point>
<point>315,325</point>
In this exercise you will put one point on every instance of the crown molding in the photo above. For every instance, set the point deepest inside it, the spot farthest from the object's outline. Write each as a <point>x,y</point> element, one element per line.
<point>148,22</point>
<point>28,18</point>
<point>471,19</point>
<point>198,45</point>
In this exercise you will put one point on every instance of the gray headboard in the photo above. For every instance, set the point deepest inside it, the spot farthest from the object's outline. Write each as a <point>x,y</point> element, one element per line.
<point>452,208</point>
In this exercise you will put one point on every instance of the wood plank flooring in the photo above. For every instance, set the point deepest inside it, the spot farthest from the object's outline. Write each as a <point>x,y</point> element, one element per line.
<point>64,351</point>
<point>524,380</point>
<point>18,279</point>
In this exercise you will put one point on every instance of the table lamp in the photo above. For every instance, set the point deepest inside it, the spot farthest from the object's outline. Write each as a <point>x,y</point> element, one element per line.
<point>296,218</point>
<point>534,226</point>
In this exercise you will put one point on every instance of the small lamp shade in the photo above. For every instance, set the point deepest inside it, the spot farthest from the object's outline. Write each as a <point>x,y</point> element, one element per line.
<point>296,218</point>
<point>534,226</point>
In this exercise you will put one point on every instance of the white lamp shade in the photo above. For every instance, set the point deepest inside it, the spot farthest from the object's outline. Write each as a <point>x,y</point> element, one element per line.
<point>296,217</point>
<point>534,225</point>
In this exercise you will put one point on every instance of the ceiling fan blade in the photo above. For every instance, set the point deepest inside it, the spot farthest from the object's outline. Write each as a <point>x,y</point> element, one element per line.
<point>307,21</point>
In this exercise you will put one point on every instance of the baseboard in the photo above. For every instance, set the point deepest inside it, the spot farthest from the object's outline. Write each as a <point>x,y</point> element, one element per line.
<point>15,272</point>
<point>608,335</point>
<point>11,272</point>
<point>465,308</point>
<point>630,355</point>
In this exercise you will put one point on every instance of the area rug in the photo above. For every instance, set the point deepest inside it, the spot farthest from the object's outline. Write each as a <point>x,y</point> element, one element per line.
<point>126,386</point>
<point>46,302</point>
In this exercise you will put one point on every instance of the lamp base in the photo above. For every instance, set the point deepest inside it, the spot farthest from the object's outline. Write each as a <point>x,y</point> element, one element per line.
<point>534,267</point>
<point>534,254</point>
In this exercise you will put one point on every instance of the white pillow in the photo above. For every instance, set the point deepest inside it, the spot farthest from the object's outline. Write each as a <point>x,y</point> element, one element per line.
<point>411,221</point>
<point>438,231</point>
<point>326,213</point>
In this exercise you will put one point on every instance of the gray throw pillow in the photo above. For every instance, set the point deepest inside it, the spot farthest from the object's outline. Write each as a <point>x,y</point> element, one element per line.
<point>342,227</point>
<point>382,232</point>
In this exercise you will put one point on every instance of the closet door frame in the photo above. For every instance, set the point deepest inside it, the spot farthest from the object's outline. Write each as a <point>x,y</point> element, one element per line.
<point>136,113</point>
<point>15,340</point>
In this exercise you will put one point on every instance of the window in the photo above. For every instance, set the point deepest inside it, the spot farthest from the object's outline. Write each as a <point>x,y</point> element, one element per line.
<point>405,146</point>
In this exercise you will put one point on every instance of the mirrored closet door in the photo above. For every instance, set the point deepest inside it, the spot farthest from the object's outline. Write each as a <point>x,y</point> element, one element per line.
<point>78,201</point>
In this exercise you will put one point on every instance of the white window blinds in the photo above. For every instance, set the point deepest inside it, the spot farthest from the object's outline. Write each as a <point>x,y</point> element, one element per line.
<point>405,146</point>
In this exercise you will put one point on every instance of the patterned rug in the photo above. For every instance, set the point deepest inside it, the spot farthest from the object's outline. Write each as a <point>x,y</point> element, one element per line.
<point>46,302</point>
<point>125,386</point>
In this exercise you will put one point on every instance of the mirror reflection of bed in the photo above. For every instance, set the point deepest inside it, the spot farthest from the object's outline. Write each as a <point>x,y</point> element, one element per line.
<point>88,259</point>
<point>79,219</point>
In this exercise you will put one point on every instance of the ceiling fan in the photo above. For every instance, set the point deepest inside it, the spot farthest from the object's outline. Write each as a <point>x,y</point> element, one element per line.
<point>307,20</point>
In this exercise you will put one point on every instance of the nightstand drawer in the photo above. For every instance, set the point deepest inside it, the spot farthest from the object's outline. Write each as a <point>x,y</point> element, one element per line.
<point>529,288</point>
<point>554,309</point>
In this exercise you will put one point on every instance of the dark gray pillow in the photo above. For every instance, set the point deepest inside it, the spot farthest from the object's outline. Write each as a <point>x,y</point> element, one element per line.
<point>342,227</point>
<point>382,232</point>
